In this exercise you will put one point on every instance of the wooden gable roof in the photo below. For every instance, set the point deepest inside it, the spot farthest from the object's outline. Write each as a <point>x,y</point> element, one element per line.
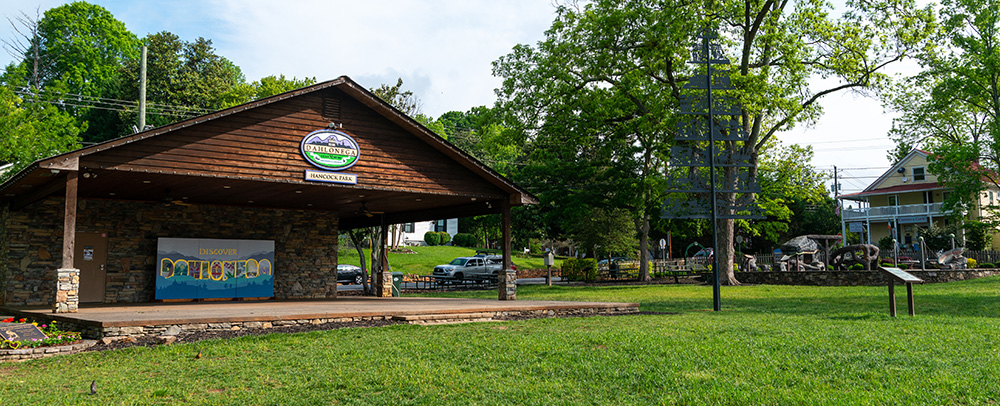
<point>249,155</point>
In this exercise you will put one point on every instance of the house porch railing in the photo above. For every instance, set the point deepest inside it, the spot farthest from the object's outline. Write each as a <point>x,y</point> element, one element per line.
<point>890,212</point>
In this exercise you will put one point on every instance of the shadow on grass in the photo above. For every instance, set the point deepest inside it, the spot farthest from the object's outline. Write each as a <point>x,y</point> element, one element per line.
<point>842,307</point>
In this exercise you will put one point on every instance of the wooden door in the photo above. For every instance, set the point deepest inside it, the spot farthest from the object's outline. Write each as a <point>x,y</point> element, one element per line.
<point>91,259</point>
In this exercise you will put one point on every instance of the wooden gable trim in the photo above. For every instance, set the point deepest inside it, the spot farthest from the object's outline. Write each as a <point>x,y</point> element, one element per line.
<point>518,196</point>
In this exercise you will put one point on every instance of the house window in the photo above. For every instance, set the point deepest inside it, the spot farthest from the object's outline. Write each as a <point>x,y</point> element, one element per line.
<point>441,225</point>
<point>407,227</point>
<point>918,174</point>
<point>893,200</point>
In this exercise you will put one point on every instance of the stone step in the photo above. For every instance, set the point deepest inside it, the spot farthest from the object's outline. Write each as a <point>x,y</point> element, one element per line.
<point>454,318</point>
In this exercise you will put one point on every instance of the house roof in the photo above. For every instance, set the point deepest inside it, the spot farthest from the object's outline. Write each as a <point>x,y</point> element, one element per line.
<point>43,177</point>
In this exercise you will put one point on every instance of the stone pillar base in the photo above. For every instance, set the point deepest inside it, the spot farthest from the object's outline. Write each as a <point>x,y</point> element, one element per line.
<point>508,285</point>
<point>67,291</point>
<point>383,285</point>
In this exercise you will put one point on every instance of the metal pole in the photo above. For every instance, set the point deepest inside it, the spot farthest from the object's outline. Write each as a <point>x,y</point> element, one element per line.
<point>952,241</point>
<point>895,252</point>
<point>716,290</point>
<point>922,255</point>
<point>142,91</point>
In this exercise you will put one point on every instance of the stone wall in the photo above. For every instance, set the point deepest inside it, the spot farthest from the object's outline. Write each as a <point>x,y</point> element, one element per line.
<point>856,278</point>
<point>305,245</point>
<point>3,252</point>
<point>33,253</point>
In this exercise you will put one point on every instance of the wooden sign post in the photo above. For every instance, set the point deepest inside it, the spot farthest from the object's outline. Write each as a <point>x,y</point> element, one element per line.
<point>899,275</point>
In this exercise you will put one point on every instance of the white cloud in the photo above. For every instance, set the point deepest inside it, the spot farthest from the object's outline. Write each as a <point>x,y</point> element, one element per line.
<point>443,50</point>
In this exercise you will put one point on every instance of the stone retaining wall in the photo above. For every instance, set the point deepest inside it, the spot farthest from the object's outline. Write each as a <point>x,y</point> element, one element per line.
<point>305,245</point>
<point>856,278</point>
<point>21,354</point>
<point>91,331</point>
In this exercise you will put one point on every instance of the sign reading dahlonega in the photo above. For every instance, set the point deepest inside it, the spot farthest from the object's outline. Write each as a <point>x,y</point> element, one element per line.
<point>330,149</point>
<point>193,268</point>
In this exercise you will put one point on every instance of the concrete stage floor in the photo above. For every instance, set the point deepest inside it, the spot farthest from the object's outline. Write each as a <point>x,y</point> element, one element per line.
<point>155,318</point>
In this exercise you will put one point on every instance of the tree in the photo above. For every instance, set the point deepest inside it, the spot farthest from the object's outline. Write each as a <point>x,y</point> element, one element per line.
<point>612,72</point>
<point>72,59</point>
<point>265,87</point>
<point>794,195</point>
<point>952,107</point>
<point>183,79</point>
<point>610,232</point>
<point>32,131</point>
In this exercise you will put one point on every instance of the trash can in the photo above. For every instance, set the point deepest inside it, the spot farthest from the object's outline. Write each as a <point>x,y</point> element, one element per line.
<point>397,283</point>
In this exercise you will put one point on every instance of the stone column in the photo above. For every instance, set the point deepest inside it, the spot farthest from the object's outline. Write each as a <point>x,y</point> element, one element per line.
<point>507,289</point>
<point>508,285</point>
<point>67,291</point>
<point>386,288</point>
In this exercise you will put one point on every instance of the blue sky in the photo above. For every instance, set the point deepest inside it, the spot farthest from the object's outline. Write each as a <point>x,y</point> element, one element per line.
<point>443,50</point>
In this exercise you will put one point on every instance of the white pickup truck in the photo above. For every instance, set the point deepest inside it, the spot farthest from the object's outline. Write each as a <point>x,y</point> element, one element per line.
<point>477,267</point>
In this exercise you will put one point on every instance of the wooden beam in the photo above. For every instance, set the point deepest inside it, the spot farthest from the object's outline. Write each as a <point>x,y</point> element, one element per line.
<point>69,220</point>
<point>465,210</point>
<point>38,193</point>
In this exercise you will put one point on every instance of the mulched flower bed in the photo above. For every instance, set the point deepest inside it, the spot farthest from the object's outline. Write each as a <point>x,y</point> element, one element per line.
<point>299,328</point>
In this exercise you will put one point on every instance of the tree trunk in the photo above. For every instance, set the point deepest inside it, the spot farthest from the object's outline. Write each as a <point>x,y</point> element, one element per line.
<point>726,229</point>
<point>644,250</point>
<point>361,254</point>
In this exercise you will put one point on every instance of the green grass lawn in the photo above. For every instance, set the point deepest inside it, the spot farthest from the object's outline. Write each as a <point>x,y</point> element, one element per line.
<point>423,262</point>
<point>772,345</point>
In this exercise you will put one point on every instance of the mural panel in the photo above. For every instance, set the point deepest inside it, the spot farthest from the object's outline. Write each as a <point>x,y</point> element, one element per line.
<point>193,268</point>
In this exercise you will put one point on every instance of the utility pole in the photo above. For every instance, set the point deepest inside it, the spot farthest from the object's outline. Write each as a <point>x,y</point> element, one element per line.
<point>836,193</point>
<point>142,91</point>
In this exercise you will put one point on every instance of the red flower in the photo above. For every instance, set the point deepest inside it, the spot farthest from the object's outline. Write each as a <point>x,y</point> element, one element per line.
<point>7,320</point>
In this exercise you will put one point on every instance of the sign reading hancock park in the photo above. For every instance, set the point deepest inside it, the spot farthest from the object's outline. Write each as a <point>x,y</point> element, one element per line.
<point>193,268</point>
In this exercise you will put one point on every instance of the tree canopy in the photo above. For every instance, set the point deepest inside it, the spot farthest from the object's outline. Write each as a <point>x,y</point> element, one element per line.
<point>952,107</point>
<point>598,96</point>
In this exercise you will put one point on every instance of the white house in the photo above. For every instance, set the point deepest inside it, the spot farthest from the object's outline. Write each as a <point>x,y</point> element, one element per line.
<point>413,233</point>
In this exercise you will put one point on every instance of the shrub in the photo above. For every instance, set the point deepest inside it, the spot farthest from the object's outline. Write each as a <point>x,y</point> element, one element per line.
<point>535,246</point>
<point>904,266</point>
<point>464,240</point>
<point>432,238</point>
<point>445,237</point>
<point>885,244</point>
<point>987,265</point>
<point>970,263</point>
<point>857,267</point>
<point>829,267</point>
<point>575,269</point>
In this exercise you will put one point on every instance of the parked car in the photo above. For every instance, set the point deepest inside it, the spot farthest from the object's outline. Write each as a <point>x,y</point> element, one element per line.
<point>469,267</point>
<point>350,274</point>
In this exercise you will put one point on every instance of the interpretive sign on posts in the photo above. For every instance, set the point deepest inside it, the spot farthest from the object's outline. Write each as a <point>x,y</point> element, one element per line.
<point>899,275</point>
<point>20,332</point>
